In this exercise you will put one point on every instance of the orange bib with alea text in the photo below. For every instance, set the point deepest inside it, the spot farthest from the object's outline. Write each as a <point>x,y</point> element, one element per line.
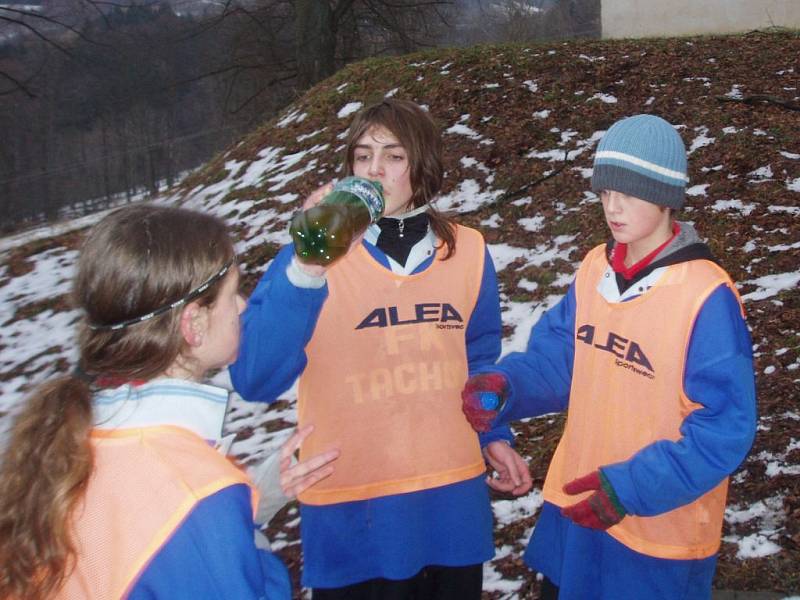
<point>627,392</point>
<point>386,366</point>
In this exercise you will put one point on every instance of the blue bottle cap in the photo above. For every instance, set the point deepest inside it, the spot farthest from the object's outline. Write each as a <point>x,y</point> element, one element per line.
<point>489,400</point>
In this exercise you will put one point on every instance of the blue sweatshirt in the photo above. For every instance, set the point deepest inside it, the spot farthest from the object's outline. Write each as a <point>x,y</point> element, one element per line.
<point>212,553</point>
<point>661,476</point>
<point>393,536</point>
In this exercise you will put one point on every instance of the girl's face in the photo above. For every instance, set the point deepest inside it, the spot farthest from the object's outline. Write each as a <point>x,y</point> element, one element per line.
<point>379,156</point>
<point>221,337</point>
<point>642,225</point>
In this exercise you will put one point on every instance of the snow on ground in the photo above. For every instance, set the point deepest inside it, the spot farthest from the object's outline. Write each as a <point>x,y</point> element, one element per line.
<point>769,515</point>
<point>29,346</point>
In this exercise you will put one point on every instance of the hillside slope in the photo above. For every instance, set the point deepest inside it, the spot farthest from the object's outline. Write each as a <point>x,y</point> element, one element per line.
<point>520,125</point>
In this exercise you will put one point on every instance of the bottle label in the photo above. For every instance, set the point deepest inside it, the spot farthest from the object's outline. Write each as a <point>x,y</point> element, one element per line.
<point>369,192</point>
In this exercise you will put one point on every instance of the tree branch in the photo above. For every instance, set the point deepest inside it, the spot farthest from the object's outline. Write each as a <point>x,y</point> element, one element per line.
<point>18,86</point>
<point>46,19</point>
<point>754,99</point>
<point>521,190</point>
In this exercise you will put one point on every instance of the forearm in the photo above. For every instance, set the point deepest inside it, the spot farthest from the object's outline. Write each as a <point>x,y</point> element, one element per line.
<point>540,378</point>
<point>276,326</point>
<point>716,437</point>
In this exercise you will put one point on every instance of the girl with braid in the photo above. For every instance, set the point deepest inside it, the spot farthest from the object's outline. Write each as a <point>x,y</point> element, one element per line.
<point>111,484</point>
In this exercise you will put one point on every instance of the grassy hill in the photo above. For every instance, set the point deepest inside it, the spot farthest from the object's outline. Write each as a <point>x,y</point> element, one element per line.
<point>520,125</point>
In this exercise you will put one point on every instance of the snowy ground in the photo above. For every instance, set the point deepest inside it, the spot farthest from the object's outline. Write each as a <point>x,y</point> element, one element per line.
<point>257,193</point>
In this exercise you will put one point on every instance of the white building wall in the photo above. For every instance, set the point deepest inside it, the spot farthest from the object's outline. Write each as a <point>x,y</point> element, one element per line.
<point>660,18</point>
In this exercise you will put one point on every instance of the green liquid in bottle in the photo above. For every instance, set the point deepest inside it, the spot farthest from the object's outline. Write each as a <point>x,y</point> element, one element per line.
<point>323,233</point>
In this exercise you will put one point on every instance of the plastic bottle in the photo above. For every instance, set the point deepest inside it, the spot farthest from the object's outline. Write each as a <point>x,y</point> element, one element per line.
<point>323,233</point>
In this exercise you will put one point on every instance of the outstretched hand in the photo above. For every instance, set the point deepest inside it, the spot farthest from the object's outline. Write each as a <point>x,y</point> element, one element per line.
<point>299,476</point>
<point>511,470</point>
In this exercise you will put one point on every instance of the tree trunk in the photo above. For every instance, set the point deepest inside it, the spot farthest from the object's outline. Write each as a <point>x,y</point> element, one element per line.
<point>315,41</point>
<point>106,166</point>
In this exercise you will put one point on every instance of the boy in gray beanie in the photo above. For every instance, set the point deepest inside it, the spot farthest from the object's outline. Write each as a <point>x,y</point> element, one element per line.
<point>650,355</point>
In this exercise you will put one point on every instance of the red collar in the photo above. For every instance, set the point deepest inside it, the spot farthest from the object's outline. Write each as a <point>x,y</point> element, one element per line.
<point>620,251</point>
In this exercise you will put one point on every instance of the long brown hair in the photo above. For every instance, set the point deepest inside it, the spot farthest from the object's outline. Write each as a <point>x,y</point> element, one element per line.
<point>134,261</point>
<point>416,131</point>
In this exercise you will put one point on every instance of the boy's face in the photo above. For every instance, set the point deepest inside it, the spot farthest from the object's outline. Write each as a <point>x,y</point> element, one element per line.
<point>642,225</point>
<point>379,156</point>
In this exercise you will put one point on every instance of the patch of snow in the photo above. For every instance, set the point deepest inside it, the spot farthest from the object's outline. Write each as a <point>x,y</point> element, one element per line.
<point>530,85</point>
<point>493,222</point>
<point>294,116</point>
<point>772,285</point>
<point>469,162</point>
<point>510,511</point>
<point>735,92</point>
<point>459,129</point>
<point>607,98</point>
<point>532,223</point>
<point>700,140</point>
<point>761,174</point>
<point>559,154</point>
<point>745,209</point>
<point>348,109</point>
<point>523,316</point>
<point>306,136</point>
<point>467,197</point>
<point>755,546</point>
<point>698,190</point>
<point>792,210</point>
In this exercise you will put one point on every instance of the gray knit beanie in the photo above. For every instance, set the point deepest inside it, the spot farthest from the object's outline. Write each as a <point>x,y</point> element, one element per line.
<point>642,156</point>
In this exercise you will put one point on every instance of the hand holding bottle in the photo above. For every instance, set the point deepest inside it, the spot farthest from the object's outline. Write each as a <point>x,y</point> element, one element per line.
<point>312,200</point>
<point>325,231</point>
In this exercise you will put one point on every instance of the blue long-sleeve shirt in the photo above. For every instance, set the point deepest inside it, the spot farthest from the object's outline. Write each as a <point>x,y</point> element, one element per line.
<point>392,536</point>
<point>211,552</point>
<point>718,375</point>
<point>212,555</point>
<point>663,475</point>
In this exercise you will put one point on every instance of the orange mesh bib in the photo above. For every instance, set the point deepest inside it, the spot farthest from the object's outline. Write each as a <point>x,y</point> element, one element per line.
<point>386,366</point>
<point>145,483</point>
<point>627,392</point>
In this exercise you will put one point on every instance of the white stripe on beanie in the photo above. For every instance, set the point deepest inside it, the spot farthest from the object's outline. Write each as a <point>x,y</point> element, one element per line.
<point>634,160</point>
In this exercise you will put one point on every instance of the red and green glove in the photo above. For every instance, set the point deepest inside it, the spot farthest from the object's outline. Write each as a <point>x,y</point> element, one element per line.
<point>482,398</point>
<point>601,510</point>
